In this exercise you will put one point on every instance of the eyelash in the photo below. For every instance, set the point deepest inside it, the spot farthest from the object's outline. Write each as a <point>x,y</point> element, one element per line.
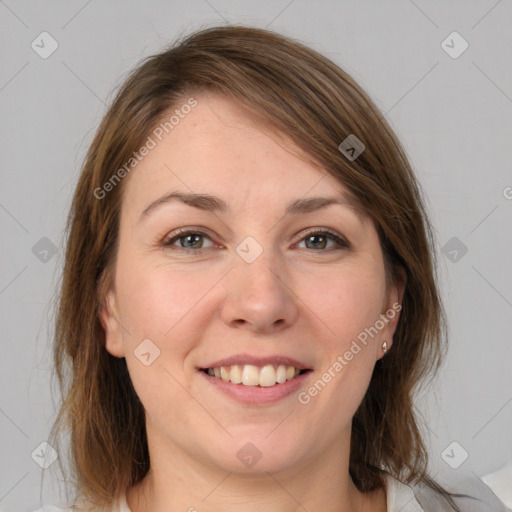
<point>182,233</point>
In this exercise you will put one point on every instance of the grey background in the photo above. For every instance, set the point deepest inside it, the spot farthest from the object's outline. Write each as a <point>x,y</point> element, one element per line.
<point>452,114</point>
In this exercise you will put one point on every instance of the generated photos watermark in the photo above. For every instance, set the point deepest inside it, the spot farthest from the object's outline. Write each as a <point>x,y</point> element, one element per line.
<point>304,397</point>
<point>156,136</point>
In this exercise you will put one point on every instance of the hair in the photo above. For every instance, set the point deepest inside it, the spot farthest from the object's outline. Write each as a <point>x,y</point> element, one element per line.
<point>297,93</point>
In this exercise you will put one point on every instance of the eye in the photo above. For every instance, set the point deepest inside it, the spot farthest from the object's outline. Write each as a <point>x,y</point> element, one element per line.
<point>193,241</point>
<point>319,240</point>
<point>188,240</point>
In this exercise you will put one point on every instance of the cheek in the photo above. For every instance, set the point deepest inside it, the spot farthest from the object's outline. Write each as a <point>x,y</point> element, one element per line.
<point>349,301</point>
<point>159,305</point>
<point>348,305</point>
<point>157,301</point>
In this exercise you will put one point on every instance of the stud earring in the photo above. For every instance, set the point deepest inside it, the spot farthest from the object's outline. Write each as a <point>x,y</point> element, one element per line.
<point>385,347</point>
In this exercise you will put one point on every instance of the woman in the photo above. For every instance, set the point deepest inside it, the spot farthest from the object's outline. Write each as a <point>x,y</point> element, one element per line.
<point>249,296</point>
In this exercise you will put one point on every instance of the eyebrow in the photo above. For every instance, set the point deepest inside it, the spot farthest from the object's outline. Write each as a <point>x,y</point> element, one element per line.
<point>211,203</point>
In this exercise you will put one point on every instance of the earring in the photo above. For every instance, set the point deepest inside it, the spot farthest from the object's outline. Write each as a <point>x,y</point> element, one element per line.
<point>385,347</point>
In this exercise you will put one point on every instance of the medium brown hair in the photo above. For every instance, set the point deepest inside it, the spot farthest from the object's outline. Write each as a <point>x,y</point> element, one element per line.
<point>305,96</point>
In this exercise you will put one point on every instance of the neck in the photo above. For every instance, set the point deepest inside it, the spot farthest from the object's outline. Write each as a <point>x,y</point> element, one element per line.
<point>177,481</point>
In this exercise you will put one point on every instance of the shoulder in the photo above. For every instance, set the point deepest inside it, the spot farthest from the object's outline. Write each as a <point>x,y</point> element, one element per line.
<point>475,496</point>
<point>73,508</point>
<point>120,505</point>
<point>51,508</point>
<point>400,497</point>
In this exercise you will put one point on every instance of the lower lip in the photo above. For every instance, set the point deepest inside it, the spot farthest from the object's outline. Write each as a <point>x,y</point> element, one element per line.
<point>255,395</point>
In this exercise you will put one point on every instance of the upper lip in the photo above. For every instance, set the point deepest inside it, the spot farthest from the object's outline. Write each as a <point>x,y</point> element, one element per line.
<point>243,359</point>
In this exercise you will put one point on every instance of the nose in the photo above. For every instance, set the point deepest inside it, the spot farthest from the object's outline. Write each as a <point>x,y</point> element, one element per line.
<point>259,297</point>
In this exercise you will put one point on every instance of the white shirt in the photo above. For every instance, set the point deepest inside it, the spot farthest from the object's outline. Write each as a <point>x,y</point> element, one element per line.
<point>400,498</point>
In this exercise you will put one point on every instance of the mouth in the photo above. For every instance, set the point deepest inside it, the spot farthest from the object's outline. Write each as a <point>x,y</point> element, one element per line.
<point>264,376</point>
<point>256,380</point>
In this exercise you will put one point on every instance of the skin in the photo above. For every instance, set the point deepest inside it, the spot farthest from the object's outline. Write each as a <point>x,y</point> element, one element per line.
<point>306,300</point>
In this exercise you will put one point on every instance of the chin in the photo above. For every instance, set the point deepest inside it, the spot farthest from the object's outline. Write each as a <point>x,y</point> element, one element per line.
<point>257,454</point>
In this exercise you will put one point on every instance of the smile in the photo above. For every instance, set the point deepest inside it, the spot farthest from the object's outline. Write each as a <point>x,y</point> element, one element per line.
<point>252,375</point>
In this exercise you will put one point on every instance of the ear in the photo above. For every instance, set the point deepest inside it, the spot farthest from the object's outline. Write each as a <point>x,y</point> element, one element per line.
<point>111,326</point>
<point>392,307</point>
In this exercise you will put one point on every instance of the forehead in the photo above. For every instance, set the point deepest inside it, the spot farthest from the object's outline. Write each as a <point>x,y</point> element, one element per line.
<point>218,149</point>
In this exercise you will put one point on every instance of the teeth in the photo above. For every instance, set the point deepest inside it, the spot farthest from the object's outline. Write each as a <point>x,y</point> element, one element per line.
<point>267,376</point>
<point>250,375</point>
<point>235,374</point>
<point>281,373</point>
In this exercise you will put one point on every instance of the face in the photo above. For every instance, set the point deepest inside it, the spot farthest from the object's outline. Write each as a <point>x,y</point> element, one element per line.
<point>248,286</point>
